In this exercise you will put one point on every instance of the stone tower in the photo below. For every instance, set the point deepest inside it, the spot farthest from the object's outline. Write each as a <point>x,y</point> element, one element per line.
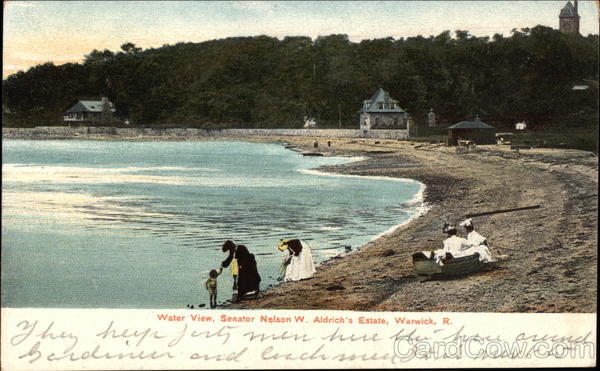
<point>569,19</point>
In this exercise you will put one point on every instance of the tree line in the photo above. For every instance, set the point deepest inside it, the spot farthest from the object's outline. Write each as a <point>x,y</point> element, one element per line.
<point>266,82</point>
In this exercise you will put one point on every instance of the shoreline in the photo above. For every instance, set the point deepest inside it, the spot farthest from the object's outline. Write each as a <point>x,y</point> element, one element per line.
<point>419,198</point>
<point>552,254</point>
<point>393,286</point>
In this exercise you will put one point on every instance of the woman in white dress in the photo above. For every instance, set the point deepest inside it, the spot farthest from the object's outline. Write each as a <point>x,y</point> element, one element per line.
<point>300,265</point>
<point>477,243</point>
<point>453,245</point>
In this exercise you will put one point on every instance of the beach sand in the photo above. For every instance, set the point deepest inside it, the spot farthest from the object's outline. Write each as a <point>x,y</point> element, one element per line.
<point>551,262</point>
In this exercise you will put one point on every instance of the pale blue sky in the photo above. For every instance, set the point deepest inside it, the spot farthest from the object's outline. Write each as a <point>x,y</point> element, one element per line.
<point>64,31</point>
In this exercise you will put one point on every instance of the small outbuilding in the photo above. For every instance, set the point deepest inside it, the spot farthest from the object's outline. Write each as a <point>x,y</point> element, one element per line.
<point>476,131</point>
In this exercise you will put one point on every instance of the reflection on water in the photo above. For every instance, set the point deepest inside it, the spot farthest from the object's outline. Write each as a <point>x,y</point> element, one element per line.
<point>118,224</point>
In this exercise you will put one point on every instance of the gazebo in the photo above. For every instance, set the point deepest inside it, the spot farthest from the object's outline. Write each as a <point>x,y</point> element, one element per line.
<point>475,130</point>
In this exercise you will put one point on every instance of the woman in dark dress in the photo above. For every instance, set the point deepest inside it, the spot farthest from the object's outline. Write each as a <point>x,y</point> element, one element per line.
<point>248,277</point>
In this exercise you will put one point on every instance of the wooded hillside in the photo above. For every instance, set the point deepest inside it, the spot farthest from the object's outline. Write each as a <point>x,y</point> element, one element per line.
<point>265,82</point>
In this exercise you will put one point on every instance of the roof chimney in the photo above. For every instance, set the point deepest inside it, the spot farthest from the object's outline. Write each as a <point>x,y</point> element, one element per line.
<point>576,7</point>
<point>105,104</point>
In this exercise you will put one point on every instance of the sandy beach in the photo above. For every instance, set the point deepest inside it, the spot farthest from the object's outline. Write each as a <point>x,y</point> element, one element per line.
<point>551,251</point>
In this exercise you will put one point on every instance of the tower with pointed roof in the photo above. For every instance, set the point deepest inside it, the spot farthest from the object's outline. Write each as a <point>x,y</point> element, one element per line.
<point>569,19</point>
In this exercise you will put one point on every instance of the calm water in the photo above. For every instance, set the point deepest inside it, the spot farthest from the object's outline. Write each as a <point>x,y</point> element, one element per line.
<point>140,224</point>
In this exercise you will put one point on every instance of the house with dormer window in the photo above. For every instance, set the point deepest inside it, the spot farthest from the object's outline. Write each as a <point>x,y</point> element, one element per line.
<point>382,112</point>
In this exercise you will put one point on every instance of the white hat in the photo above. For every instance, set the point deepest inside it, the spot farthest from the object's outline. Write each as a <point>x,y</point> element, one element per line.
<point>466,223</point>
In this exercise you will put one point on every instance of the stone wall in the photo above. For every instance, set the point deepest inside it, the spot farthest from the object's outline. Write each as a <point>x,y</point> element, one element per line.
<point>388,121</point>
<point>49,132</point>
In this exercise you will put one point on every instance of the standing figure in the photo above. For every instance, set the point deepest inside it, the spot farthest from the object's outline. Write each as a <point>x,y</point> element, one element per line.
<point>300,264</point>
<point>477,243</point>
<point>248,279</point>
<point>211,286</point>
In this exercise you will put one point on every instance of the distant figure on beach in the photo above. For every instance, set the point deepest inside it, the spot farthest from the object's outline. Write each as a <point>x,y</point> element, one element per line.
<point>211,286</point>
<point>248,279</point>
<point>299,264</point>
<point>477,243</point>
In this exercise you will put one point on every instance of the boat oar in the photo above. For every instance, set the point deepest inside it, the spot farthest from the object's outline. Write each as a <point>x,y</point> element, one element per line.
<point>503,211</point>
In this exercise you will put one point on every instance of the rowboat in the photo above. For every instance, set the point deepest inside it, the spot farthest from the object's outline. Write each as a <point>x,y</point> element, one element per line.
<point>429,269</point>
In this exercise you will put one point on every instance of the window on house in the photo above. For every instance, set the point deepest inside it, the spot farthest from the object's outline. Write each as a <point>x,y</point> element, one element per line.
<point>380,105</point>
<point>376,121</point>
<point>396,121</point>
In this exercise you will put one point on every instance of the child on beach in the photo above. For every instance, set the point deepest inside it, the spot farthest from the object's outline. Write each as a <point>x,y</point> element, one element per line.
<point>211,286</point>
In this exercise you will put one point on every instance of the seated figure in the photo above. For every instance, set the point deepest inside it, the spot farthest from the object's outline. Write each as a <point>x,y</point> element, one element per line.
<point>477,243</point>
<point>454,246</point>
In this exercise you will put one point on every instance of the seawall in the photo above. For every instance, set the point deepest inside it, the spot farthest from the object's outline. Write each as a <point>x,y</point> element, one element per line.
<point>56,132</point>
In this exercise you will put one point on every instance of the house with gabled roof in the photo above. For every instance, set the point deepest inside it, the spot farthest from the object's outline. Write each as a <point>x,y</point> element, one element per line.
<point>90,112</point>
<point>382,112</point>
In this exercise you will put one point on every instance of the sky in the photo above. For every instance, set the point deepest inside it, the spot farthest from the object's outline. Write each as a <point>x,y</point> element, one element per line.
<point>36,32</point>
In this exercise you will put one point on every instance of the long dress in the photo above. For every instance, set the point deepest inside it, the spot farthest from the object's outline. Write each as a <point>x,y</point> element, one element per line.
<point>301,264</point>
<point>456,246</point>
<point>248,277</point>
<point>478,243</point>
